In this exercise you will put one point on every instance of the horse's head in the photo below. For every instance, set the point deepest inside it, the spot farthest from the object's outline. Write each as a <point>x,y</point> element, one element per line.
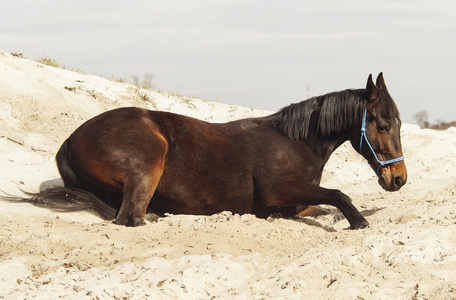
<point>379,139</point>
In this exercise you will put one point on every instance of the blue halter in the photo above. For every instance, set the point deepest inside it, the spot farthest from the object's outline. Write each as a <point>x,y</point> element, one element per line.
<point>380,162</point>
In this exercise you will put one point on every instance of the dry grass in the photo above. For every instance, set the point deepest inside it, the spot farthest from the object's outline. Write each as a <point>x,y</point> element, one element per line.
<point>18,54</point>
<point>145,83</point>
<point>46,60</point>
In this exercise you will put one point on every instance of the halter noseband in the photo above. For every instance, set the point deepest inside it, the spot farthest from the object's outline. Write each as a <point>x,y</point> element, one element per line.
<point>380,162</point>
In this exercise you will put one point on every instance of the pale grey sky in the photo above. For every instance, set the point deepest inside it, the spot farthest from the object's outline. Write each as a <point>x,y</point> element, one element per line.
<point>263,54</point>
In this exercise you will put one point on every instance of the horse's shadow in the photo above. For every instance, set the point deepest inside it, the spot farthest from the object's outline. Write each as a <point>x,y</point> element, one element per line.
<point>337,216</point>
<point>48,184</point>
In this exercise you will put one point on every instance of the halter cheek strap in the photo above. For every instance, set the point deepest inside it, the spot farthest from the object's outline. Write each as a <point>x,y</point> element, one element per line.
<point>381,163</point>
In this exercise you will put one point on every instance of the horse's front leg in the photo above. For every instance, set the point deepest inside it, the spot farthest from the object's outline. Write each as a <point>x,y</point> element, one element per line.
<point>314,195</point>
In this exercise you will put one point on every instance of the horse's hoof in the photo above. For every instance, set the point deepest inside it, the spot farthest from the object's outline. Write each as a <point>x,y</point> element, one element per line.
<point>132,222</point>
<point>118,221</point>
<point>360,225</point>
<point>136,221</point>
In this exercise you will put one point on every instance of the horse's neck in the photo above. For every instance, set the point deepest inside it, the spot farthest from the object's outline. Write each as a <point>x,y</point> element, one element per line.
<point>329,144</point>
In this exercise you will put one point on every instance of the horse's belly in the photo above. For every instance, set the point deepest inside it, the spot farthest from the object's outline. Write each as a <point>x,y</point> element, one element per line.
<point>203,198</point>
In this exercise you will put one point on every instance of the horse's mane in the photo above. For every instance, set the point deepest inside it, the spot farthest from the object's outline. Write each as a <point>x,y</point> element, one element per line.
<point>329,114</point>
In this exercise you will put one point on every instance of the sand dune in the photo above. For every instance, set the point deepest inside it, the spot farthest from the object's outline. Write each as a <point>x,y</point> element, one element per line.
<point>408,252</point>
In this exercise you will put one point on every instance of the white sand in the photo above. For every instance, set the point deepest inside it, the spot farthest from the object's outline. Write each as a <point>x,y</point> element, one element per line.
<point>408,252</point>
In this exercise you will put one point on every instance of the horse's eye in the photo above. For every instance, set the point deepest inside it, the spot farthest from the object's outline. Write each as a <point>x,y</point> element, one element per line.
<point>383,128</point>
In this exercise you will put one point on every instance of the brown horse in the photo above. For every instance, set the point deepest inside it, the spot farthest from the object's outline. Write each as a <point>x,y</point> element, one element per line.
<point>135,160</point>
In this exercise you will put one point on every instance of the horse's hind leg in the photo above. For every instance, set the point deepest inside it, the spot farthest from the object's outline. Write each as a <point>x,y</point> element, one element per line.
<point>136,197</point>
<point>310,211</point>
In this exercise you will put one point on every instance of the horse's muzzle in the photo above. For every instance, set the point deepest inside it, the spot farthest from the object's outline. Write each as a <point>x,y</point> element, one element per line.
<point>392,177</point>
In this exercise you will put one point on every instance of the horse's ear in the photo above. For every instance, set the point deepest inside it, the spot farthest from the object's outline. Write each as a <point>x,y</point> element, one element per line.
<point>372,91</point>
<point>381,82</point>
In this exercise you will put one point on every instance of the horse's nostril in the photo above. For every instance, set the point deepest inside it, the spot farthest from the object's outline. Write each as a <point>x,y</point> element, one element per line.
<point>398,181</point>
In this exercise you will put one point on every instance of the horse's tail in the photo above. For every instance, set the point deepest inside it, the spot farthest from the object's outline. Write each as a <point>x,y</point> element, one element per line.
<point>69,177</point>
<point>76,195</point>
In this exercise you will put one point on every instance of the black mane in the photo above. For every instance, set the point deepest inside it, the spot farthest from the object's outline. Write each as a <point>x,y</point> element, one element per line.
<point>324,115</point>
<point>332,113</point>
